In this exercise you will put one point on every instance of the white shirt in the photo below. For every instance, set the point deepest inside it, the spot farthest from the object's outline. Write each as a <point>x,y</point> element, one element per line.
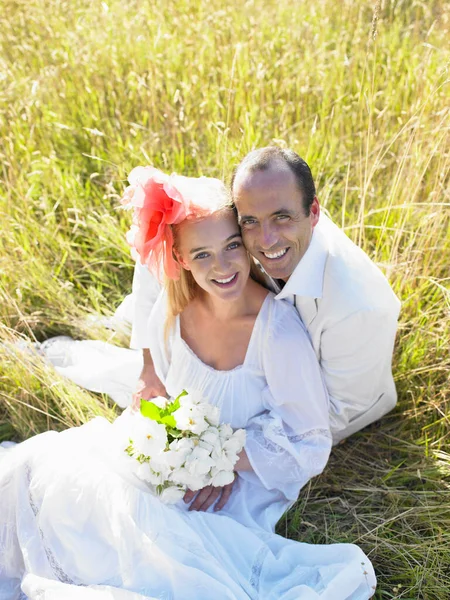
<point>350,312</point>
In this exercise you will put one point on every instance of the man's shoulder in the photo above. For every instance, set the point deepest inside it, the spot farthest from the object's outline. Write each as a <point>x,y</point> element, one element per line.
<point>281,318</point>
<point>352,281</point>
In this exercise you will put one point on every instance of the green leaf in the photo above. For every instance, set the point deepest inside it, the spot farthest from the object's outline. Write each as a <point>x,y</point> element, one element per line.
<point>172,407</point>
<point>151,411</point>
<point>183,393</point>
<point>175,405</point>
<point>169,420</point>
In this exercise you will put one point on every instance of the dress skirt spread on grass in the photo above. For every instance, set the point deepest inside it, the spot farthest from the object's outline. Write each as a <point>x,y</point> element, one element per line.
<point>76,523</point>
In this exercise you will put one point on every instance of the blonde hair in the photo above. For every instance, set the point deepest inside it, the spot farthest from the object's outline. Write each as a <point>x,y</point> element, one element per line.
<point>179,293</point>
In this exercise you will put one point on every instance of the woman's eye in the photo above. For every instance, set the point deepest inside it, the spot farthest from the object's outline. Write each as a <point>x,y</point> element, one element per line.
<point>234,245</point>
<point>200,255</point>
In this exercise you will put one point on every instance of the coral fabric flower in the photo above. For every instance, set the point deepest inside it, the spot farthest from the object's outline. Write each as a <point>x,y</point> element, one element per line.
<point>157,204</point>
<point>159,201</point>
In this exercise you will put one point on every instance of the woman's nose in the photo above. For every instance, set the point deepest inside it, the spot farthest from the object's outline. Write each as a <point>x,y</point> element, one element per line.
<point>222,264</point>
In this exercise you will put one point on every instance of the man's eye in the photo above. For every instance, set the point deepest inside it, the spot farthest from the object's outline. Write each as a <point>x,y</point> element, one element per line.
<point>282,217</point>
<point>246,222</point>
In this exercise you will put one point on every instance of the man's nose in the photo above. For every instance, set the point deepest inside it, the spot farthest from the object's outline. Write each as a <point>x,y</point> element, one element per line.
<point>268,237</point>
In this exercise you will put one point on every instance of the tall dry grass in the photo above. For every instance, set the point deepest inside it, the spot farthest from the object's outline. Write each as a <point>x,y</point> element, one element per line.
<point>360,89</point>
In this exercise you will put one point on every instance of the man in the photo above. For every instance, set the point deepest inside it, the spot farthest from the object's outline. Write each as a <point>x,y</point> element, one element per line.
<point>344,300</point>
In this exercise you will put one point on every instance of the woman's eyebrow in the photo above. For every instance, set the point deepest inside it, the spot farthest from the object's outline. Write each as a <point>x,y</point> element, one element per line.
<point>237,234</point>
<point>231,237</point>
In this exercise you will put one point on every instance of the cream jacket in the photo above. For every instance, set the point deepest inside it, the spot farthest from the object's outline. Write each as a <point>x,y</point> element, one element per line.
<point>351,315</point>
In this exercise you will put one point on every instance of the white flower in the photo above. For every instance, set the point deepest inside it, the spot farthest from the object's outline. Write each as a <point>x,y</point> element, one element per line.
<point>221,460</point>
<point>172,494</point>
<point>191,417</point>
<point>235,443</point>
<point>160,401</point>
<point>178,451</point>
<point>212,415</point>
<point>146,473</point>
<point>209,439</point>
<point>225,431</point>
<point>149,437</point>
<point>160,465</point>
<point>199,462</point>
<point>221,478</point>
<point>195,414</point>
<point>192,398</point>
<point>183,477</point>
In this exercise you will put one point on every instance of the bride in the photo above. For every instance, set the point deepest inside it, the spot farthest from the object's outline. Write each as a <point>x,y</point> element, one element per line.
<point>74,523</point>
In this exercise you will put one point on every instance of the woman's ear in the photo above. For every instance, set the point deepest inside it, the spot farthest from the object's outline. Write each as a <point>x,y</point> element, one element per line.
<point>177,256</point>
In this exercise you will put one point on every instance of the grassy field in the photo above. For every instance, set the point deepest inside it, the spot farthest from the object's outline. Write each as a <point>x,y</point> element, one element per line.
<point>89,89</point>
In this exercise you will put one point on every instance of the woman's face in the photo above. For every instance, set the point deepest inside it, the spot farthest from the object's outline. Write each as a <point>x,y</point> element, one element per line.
<point>212,249</point>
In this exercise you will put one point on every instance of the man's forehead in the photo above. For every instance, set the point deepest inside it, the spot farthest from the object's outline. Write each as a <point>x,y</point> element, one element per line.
<point>276,173</point>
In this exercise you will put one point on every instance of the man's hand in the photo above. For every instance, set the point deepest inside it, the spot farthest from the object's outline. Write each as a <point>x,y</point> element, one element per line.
<point>208,495</point>
<point>149,385</point>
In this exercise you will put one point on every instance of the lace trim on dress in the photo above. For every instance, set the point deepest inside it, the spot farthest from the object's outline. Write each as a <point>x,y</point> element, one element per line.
<point>55,566</point>
<point>257,567</point>
<point>294,439</point>
<point>278,431</point>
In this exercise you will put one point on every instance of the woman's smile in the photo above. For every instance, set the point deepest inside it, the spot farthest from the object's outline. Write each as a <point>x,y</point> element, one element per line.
<point>226,282</point>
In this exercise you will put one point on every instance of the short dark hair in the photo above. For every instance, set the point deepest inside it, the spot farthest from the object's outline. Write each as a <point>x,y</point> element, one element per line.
<point>262,159</point>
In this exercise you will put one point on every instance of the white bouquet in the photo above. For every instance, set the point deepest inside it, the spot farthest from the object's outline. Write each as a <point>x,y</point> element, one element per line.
<point>179,444</point>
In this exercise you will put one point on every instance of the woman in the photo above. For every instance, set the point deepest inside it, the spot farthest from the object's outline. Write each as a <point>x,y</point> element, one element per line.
<point>75,524</point>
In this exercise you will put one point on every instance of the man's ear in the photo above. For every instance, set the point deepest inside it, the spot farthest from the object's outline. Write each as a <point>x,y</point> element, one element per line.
<point>314,212</point>
<point>177,256</point>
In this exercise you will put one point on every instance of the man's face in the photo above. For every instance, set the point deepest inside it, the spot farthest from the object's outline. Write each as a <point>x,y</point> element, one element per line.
<point>274,226</point>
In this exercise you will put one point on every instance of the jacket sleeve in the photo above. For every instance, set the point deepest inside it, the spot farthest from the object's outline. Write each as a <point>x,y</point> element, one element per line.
<point>356,355</point>
<point>146,289</point>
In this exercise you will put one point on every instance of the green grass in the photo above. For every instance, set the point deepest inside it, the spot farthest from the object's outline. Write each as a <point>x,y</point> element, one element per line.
<point>360,89</point>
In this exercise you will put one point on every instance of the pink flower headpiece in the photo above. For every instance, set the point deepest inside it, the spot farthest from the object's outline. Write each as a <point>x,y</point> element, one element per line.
<point>159,201</point>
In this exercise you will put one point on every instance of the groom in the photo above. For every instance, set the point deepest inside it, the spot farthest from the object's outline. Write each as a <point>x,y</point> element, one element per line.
<point>343,299</point>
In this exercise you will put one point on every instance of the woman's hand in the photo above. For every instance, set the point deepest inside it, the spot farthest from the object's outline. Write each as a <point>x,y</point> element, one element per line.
<point>208,495</point>
<point>149,385</point>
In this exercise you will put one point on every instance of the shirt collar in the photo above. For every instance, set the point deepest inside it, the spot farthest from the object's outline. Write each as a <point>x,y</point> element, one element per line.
<point>307,278</point>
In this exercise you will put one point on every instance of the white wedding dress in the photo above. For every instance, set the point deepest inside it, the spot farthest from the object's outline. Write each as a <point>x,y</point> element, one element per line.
<point>74,523</point>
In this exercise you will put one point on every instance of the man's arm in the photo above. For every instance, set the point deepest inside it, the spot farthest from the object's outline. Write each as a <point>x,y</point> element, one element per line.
<point>356,356</point>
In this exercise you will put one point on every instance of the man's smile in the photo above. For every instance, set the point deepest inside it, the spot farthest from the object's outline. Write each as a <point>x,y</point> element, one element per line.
<point>276,255</point>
